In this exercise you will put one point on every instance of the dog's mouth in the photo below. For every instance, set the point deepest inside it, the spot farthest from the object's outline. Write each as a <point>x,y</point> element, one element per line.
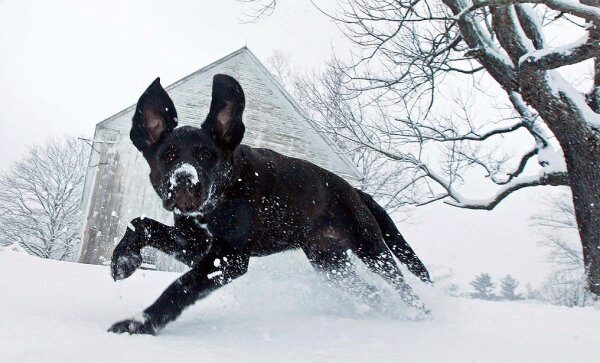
<point>187,195</point>
<point>184,190</point>
<point>183,201</point>
<point>187,201</point>
<point>191,203</point>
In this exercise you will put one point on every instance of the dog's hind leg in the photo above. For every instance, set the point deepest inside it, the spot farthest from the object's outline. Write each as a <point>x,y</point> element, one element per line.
<point>394,240</point>
<point>338,270</point>
<point>364,237</point>
<point>378,258</point>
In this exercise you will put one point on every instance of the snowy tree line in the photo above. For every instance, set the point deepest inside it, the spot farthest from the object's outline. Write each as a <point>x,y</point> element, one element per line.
<point>558,289</point>
<point>39,199</point>
<point>566,283</point>
<point>484,288</point>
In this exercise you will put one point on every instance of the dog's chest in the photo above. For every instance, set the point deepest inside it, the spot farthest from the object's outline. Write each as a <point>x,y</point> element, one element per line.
<point>280,226</point>
<point>261,225</point>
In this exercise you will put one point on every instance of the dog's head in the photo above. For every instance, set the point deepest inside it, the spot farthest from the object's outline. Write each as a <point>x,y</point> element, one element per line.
<point>189,166</point>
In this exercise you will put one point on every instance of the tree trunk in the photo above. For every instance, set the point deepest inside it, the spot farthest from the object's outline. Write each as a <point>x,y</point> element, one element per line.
<point>579,142</point>
<point>569,123</point>
<point>582,155</point>
<point>581,148</point>
<point>584,175</point>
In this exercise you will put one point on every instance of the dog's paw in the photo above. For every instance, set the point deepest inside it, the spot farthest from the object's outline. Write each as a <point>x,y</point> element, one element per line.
<point>133,326</point>
<point>123,265</point>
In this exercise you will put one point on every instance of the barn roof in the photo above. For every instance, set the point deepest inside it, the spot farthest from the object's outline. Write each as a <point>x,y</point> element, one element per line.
<point>273,118</point>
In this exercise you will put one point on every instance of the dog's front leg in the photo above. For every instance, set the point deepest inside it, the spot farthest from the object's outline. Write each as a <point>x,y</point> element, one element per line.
<point>141,232</point>
<point>197,283</point>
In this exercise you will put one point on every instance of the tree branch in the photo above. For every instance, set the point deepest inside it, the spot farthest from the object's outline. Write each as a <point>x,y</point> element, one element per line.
<point>553,178</point>
<point>481,47</point>
<point>590,13</point>
<point>531,24</point>
<point>563,56</point>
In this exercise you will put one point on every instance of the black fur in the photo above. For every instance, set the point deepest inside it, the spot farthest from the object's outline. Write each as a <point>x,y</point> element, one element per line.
<point>232,202</point>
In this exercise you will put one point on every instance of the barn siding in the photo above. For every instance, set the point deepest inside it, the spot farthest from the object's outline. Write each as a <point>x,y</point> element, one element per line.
<point>105,197</point>
<point>121,190</point>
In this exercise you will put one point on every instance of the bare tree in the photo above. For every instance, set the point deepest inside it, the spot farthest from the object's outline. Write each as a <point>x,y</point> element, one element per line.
<point>281,67</point>
<point>39,199</point>
<point>260,10</point>
<point>558,227</point>
<point>404,52</point>
<point>321,96</point>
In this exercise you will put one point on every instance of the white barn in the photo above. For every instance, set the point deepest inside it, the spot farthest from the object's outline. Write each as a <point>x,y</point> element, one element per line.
<point>117,188</point>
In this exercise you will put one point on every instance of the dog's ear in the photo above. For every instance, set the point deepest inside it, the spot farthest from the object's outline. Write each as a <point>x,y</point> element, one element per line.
<point>155,116</point>
<point>224,120</point>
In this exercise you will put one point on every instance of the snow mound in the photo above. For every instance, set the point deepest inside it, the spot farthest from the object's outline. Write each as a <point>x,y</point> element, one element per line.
<point>279,311</point>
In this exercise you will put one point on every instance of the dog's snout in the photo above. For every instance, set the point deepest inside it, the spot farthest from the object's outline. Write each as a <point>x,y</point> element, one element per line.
<point>184,175</point>
<point>183,178</point>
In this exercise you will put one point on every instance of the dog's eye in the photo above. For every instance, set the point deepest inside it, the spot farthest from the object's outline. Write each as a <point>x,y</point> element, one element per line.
<point>169,156</point>
<point>203,154</point>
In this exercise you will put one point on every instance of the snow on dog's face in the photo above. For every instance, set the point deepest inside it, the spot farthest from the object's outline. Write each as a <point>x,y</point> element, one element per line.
<point>184,170</point>
<point>189,166</point>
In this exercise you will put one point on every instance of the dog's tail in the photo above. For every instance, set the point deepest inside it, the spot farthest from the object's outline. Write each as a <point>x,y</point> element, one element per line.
<point>394,239</point>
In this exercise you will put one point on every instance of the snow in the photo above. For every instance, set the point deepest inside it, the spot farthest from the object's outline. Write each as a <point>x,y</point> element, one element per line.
<point>523,38</point>
<point>186,169</point>
<point>280,311</point>
<point>214,274</point>
<point>490,47</point>
<point>535,17</point>
<point>566,50</point>
<point>575,8</point>
<point>203,226</point>
<point>560,85</point>
<point>552,158</point>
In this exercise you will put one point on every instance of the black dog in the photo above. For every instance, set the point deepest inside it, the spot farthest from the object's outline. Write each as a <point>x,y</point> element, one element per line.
<point>232,202</point>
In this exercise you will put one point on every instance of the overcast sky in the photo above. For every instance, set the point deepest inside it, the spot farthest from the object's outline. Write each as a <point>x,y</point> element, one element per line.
<point>66,65</point>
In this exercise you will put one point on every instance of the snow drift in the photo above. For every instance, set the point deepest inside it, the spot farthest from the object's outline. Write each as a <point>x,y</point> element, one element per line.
<point>280,311</point>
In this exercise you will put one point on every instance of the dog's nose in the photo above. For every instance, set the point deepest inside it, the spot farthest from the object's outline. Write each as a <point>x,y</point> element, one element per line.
<point>184,175</point>
<point>183,179</point>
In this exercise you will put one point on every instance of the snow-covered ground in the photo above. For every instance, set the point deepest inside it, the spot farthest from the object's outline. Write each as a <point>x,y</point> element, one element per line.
<point>54,311</point>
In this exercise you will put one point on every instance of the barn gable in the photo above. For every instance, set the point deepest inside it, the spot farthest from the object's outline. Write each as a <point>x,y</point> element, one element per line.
<point>117,187</point>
